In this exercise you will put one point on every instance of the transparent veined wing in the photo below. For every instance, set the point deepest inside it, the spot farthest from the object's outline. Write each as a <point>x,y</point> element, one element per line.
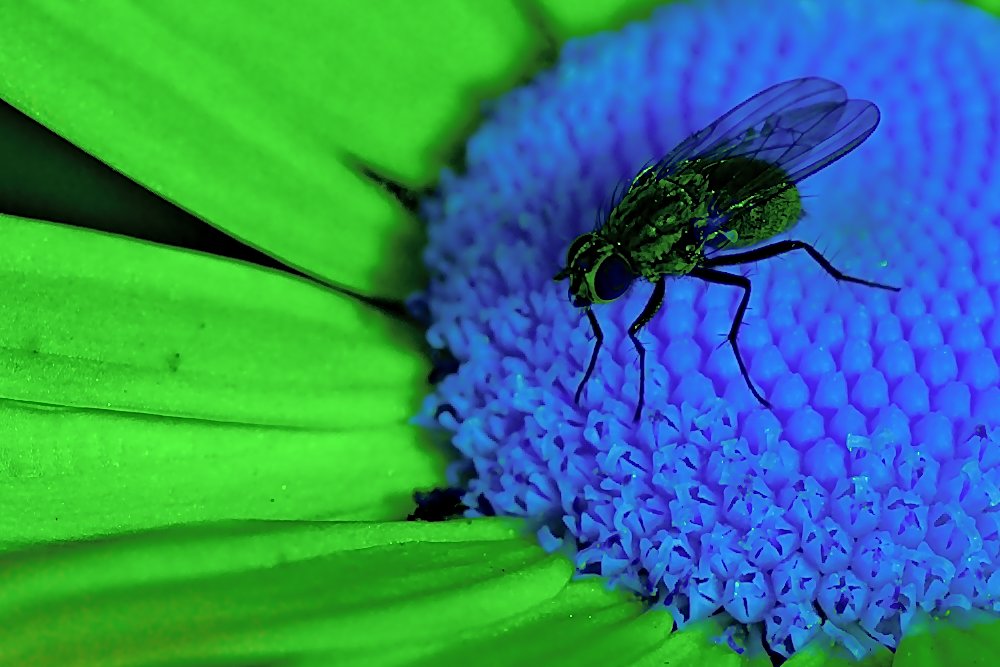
<point>800,126</point>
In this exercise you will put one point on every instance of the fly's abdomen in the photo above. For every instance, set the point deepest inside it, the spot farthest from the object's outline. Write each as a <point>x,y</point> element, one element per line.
<point>762,222</point>
<point>774,207</point>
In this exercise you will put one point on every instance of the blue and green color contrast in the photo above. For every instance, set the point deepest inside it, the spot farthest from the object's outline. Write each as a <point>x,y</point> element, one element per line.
<point>867,497</point>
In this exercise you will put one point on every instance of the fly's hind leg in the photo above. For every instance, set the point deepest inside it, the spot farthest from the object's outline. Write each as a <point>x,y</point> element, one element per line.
<point>723,278</point>
<point>780,248</point>
<point>708,273</point>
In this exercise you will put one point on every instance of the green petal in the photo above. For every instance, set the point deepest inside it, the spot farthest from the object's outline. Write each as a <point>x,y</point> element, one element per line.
<point>824,652</point>
<point>248,112</point>
<point>695,645</point>
<point>968,639</point>
<point>45,177</point>
<point>567,18</point>
<point>585,624</point>
<point>69,474</point>
<point>268,592</point>
<point>992,6</point>
<point>97,321</point>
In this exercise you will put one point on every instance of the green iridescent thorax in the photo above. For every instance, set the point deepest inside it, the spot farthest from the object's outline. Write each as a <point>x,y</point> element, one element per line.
<point>664,224</point>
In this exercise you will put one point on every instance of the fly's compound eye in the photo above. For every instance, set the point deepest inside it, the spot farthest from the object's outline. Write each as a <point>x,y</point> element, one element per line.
<point>612,277</point>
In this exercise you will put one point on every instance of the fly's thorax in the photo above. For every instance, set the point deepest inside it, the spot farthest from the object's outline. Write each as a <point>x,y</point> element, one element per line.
<point>674,252</point>
<point>657,203</point>
<point>598,270</point>
<point>662,222</point>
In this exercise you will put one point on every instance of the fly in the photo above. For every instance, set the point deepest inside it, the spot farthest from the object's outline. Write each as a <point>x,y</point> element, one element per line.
<point>728,186</point>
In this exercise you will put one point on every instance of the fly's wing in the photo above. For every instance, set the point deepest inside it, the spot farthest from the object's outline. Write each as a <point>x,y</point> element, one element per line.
<point>751,114</point>
<point>799,126</point>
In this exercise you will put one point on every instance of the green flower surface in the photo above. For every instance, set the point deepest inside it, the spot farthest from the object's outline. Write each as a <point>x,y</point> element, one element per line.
<point>207,461</point>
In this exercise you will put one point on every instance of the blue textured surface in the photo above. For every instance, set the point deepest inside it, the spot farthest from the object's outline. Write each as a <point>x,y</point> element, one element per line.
<point>872,487</point>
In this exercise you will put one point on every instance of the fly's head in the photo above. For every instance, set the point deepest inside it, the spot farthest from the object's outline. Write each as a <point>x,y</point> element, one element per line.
<point>597,269</point>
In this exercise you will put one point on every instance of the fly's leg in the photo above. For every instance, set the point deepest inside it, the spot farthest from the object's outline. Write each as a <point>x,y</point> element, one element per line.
<point>599,338</point>
<point>723,278</point>
<point>780,248</point>
<point>653,305</point>
<point>707,273</point>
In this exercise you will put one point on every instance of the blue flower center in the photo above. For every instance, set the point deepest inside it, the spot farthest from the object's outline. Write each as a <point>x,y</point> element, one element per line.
<point>872,489</point>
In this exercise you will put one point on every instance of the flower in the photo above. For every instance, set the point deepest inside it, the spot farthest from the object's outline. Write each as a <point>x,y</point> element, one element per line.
<point>208,461</point>
<point>847,512</point>
<point>202,460</point>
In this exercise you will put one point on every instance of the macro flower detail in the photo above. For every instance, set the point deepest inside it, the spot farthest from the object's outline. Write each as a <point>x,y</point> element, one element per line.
<point>868,495</point>
<point>206,461</point>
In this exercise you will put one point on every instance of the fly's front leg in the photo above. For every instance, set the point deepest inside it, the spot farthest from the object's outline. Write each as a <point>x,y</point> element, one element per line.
<point>653,305</point>
<point>598,339</point>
